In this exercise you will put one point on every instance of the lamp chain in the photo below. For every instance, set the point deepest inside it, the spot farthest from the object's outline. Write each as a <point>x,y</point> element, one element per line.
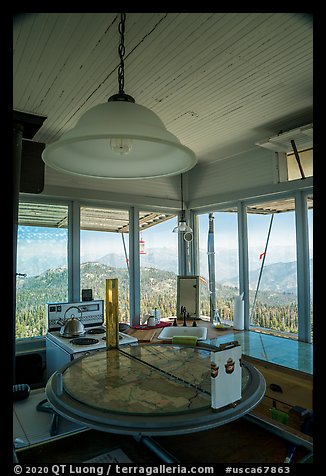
<point>121,50</point>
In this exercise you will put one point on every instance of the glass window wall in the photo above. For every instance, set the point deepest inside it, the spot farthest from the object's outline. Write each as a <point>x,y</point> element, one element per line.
<point>273,267</point>
<point>226,261</point>
<point>104,245</point>
<point>158,248</point>
<point>42,258</point>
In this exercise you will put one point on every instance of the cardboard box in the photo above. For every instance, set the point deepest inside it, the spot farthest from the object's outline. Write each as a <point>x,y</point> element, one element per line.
<point>226,375</point>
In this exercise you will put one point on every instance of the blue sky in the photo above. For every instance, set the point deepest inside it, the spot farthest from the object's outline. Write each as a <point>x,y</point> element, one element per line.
<point>52,241</point>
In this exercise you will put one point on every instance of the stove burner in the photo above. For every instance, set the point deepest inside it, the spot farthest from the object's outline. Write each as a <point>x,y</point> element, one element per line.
<point>84,341</point>
<point>96,330</point>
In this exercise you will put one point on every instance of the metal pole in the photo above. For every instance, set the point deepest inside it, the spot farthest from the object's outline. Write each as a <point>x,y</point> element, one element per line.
<point>211,266</point>
<point>297,158</point>
<point>243,260</point>
<point>17,152</point>
<point>74,252</point>
<point>124,247</point>
<point>303,268</point>
<point>157,449</point>
<point>134,267</point>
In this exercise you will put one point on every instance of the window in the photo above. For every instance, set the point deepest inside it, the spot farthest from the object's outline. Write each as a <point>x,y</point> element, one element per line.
<point>272,267</point>
<point>42,244</point>
<point>158,249</point>
<point>294,152</point>
<point>306,161</point>
<point>225,223</point>
<point>104,247</point>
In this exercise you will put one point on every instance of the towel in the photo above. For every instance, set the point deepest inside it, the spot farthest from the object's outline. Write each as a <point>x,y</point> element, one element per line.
<point>185,340</point>
<point>279,415</point>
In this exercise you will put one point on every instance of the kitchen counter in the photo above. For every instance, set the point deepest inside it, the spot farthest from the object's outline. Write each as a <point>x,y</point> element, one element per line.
<point>282,351</point>
<point>211,332</point>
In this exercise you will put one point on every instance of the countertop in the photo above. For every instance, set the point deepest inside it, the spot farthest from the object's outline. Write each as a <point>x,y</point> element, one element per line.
<point>281,351</point>
<point>211,332</point>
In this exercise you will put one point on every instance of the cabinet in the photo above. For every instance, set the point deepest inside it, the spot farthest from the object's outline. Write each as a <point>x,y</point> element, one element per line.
<point>188,295</point>
<point>288,398</point>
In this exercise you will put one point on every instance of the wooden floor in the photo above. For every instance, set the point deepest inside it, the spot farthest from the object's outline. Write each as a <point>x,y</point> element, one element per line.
<point>237,442</point>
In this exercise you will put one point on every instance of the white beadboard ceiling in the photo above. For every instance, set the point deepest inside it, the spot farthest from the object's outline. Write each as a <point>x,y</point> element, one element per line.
<point>221,82</point>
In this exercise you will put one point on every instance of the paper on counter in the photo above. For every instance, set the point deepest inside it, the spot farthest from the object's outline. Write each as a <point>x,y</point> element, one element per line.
<point>238,316</point>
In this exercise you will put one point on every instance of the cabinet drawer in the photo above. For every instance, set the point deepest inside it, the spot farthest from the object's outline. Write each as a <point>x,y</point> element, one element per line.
<point>286,386</point>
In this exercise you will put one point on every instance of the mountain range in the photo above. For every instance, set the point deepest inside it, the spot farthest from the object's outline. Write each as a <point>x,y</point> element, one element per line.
<point>276,277</point>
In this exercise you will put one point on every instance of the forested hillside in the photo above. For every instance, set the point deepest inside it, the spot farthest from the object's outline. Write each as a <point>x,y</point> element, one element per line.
<point>277,310</point>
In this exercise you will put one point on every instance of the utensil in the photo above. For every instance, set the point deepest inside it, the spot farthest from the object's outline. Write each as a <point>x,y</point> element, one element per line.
<point>72,326</point>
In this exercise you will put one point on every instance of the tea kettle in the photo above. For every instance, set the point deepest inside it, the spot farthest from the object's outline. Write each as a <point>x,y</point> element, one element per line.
<point>72,326</point>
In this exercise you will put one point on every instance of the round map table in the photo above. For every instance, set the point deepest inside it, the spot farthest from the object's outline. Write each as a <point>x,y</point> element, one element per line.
<point>158,389</point>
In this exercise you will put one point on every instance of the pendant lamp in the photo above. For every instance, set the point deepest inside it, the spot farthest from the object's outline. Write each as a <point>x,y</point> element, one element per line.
<point>119,140</point>
<point>182,225</point>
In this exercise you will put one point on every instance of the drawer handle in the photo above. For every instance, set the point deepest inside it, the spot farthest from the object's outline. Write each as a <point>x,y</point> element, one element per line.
<point>276,388</point>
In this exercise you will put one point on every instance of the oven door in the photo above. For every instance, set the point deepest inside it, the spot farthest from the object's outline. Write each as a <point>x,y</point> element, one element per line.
<point>78,355</point>
<point>56,357</point>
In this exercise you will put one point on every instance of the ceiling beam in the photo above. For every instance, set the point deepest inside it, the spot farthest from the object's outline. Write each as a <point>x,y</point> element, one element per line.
<point>30,122</point>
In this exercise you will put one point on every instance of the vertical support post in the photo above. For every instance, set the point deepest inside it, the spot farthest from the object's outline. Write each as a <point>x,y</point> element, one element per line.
<point>185,248</point>
<point>17,152</point>
<point>211,266</point>
<point>243,261</point>
<point>182,252</point>
<point>194,244</point>
<point>74,252</point>
<point>303,268</point>
<point>134,267</point>
<point>112,313</point>
<point>188,247</point>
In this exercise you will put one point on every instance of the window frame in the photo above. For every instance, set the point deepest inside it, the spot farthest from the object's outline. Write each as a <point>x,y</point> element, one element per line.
<point>301,212</point>
<point>302,251</point>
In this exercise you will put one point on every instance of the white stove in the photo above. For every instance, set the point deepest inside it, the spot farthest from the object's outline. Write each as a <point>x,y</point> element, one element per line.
<point>88,341</point>
<point>61,350</point>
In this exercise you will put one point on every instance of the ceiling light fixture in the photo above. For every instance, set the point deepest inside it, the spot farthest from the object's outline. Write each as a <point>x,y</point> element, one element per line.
<point>182,225</point>
<point>119,140</point>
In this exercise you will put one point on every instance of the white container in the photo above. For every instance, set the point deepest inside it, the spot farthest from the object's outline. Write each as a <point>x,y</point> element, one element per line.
<point>226,375</point>
<point>157,314</point>
<point>238,316</point>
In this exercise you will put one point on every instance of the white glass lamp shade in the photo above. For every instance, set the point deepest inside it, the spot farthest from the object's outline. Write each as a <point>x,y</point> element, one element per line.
<point>119,140</point>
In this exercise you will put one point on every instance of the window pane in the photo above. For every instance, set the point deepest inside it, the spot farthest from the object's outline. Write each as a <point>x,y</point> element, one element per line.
<point>226,263</point>
<point>273,267</point>
<point>158,266</point>
<point>42,256</point>
<point>104,248</point>
<point>306,160</point>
